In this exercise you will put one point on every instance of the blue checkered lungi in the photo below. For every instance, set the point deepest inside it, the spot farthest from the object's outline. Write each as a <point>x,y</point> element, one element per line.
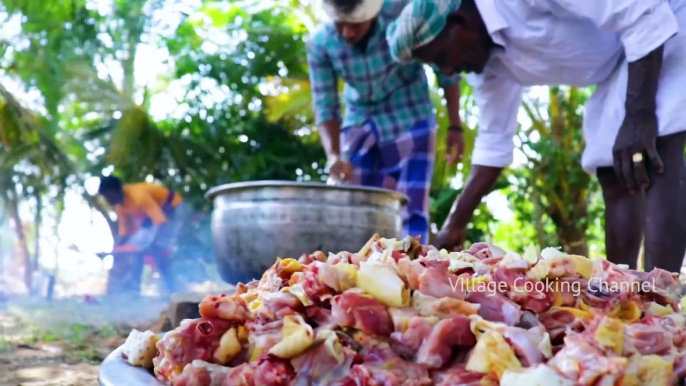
<point>404,165</point>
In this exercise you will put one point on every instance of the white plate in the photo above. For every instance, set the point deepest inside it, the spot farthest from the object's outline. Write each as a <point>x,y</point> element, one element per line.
<point>115,372</point>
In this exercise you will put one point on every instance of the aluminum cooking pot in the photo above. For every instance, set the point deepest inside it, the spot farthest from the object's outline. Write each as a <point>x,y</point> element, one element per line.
<point>253,223</point>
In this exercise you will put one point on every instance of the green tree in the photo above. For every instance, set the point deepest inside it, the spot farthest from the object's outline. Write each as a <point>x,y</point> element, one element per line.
<point>556,203</point>
<point>88,111</point>
<point>31,161</point>
<point>244,114</point>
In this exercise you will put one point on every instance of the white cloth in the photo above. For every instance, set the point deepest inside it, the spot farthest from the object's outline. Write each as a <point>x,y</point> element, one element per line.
<point>576,43</point>
<point>367,10</point>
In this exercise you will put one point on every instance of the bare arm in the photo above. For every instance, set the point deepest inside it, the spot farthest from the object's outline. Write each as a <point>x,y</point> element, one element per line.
<point>643,26</point>
<point>498,100</point>
<point>644,74</point>
<point>324,83</point>
<point>638,134</point>
<point>330,132</point>
<point>455,140</point>
<point>481,181</point>
<point>122,223</point>
<point>452,101</point>
<point>153,210</point>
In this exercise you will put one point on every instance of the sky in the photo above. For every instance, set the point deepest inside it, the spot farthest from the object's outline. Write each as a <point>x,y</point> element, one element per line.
<point>87,229</point>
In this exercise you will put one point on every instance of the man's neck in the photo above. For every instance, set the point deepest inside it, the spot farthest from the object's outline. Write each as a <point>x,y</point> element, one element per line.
<point>125,196</point>
<point>362,44</point>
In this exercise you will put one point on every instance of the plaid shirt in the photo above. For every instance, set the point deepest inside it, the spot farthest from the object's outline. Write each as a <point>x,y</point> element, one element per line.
<point>394,95</point>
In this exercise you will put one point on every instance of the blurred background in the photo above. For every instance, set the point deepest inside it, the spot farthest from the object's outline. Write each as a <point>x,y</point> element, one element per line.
<point>198,93</point>
<point>194,94</point>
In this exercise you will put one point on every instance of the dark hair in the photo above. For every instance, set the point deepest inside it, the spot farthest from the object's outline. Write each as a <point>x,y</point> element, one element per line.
<point>468,5</point>
<point>109,184</point>
<point>345,6</point>
<point>458,16</point>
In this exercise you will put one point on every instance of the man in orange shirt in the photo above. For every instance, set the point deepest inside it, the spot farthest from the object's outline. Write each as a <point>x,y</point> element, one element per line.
<point>150,217</point>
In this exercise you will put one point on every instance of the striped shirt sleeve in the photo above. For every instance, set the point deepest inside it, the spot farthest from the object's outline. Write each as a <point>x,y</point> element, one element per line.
<point>324,84</point>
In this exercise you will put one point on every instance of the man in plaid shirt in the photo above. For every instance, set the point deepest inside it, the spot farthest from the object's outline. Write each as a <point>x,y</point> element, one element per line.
<point>386,137</point>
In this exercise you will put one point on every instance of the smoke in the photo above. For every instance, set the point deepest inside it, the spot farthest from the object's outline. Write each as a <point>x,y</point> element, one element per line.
<point>102,312</point>
<point>69,283</point>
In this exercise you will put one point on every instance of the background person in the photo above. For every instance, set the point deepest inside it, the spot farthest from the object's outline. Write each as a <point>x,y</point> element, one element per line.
<point>150,218</point>
<point>386,137</point>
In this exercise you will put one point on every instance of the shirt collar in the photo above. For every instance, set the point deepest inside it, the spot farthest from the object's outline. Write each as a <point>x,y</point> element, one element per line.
<point>492,19</point>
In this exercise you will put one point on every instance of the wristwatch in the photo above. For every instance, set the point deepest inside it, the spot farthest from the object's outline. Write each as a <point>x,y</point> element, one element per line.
<point>455,128</point>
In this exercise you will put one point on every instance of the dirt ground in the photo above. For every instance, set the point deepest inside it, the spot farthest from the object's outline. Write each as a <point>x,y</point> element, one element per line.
<point>35,367</point>
<point>62,343</point>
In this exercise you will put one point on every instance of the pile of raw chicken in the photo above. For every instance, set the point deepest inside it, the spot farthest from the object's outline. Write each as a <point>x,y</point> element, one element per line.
<point>400,313</point>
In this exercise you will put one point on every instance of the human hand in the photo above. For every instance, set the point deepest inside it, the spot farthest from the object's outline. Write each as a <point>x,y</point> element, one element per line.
<point>636,138</point>
<point>455,145</point>
<point>451,239</point>
<point>340,170</point>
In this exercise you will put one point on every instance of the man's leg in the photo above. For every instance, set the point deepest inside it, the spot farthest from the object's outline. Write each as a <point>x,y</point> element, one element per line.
<point>416,217</point>
<point>163,247</point>
<point>126,273</point>
<point>624,219</point>
<point>163,260</point>
<point>665,242</point>
<point>359,144</point>
<point>414,173</point>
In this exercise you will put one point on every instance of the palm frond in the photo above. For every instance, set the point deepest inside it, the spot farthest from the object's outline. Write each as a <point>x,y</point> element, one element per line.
<point>83,81</point>
<point>17,124</point>
<point>25,139</point>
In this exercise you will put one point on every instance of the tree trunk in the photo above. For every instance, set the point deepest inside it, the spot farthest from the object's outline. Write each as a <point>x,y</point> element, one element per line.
<point>38,223</point>
<point>538,216</point>
<point>55,274</point>
<point>13,212</point>
<point>134,23</point>
<point>570,233</point>
<point>129,79</point>
<point>573,240</point>
<point>3,256</point>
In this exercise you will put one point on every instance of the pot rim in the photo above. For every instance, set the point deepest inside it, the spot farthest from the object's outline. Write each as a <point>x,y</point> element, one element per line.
<point>214,192</point>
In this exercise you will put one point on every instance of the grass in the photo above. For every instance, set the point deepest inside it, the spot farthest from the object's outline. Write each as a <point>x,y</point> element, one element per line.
<point>5,345</point>
<point>66,338</point>
<point>71,331</point>
<point>70,342</point>
<point>79,342</point>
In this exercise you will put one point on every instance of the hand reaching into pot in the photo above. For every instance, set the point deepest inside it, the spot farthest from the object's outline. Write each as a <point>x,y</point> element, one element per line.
<point>340,171</point>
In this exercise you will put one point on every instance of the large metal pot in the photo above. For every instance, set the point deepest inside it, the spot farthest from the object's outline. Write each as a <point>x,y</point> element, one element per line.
<point>253,223</point>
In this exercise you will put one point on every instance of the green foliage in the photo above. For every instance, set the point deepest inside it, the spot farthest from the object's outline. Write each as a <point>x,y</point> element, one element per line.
<point>244,114</point>
<point>480,226</point>
<point>208,145</point>
<point>553,197</point>
<point>443,173</point>
<point>442,193</point>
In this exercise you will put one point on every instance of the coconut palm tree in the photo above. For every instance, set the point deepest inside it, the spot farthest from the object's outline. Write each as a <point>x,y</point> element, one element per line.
<point>31,159</point>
